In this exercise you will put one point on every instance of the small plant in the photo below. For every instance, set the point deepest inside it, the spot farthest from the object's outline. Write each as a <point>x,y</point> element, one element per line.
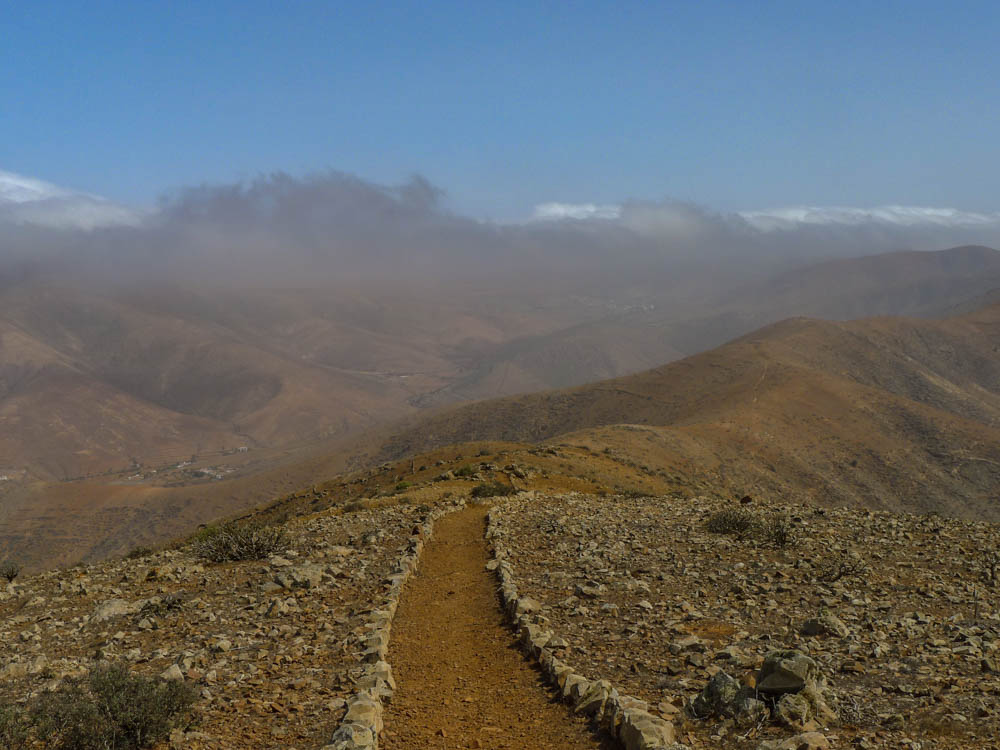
<point>990,565</point>
<point>234,542</point>
<point>204,533</point>
<point>465,470</point>
<point>777,530</point>
<point>492,489</point>
<point>15,727</point>
<point>10,570</point>
<point>355,506</point>
<point>633,494</point>
<point>111,709</point>
<point>137,553</point>
<point>732,522</point>
<point>160,606</point>
<point>845,565</point>
<point>402,486</point>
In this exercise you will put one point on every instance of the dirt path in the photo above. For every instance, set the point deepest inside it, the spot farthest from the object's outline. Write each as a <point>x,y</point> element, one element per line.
<point>461,681</point>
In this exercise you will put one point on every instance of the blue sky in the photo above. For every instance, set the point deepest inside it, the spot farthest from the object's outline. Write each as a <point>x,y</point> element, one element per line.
<point>731,105</point>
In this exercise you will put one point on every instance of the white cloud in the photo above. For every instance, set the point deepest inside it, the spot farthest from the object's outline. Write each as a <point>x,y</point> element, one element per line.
<point>900,216</point>
<point>576,211</point>
<point>28,201</point>
<point>15,188</point>
<point>669,215</point>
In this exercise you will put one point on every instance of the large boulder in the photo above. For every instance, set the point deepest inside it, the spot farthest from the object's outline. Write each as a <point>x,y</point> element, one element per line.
<point>825,624</point>
<point>640,730</point>
<point>113,608</point>
<point>786,671</point>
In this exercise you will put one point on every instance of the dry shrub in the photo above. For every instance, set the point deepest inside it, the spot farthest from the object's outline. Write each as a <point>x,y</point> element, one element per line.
<point>234,542</point>
<point>493,489</point>
<point>732,522</point>
<point>844,565</point>
<point>775,529</point>
<point>10,570</point>
<point>111,709</point>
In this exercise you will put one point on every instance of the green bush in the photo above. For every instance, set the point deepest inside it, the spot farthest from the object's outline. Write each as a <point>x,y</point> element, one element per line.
<point>402,486</point>
<point>466,470</point>
<point>492,489</point>
<point>15,727</point>
<point>111,709</point>
<point>233,542</point>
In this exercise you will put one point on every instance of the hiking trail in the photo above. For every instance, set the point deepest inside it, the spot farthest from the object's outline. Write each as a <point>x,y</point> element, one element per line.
<point>461,681</point>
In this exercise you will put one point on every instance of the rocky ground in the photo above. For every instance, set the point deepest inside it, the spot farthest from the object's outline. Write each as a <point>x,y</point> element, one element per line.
<point>271,646</point>
<point>900,613</point>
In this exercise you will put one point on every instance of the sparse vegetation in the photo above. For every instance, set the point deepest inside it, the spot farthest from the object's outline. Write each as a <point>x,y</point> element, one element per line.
<point>492,489</point>
<point>402,486</point>
<point>15,727</point>
<point>775,529</point>
<point>234,542</point>
<point>845,565</point>
<point>355,506</point>
<point>157,606</point>
<point>10,570</point>
<point>137,553</point>
<point>111,709</point>
<point>990,565</point>
<point>633,493</point>
<point>732,522</point>
<point>465,470</point>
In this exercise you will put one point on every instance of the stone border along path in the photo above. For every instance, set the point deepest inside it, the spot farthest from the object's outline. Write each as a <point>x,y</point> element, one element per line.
<point>463,681</point>
<point>624,717</point>
<point>362,724</point>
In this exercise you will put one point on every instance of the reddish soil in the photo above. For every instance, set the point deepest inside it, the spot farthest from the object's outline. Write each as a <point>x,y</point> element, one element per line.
<point>462,683</point>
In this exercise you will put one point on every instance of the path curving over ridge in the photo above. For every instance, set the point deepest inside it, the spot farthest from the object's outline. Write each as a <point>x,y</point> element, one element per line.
<point>461,682</point>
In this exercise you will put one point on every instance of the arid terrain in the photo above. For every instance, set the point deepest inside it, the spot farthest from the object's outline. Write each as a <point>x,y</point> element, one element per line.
<point>893,413</point>
<point>899,612</point>
<point>521,376</point>
<point>112,378</point>
<point>130,416</point>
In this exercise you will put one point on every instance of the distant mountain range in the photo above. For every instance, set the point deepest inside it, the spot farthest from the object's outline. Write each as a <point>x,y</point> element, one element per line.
<point>145,396</point>
<point>100,378</point>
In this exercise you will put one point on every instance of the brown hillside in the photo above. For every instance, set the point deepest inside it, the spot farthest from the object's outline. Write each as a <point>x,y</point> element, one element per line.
<point>896,413</point>
<point>886,412</point>
<point>95,378</point>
